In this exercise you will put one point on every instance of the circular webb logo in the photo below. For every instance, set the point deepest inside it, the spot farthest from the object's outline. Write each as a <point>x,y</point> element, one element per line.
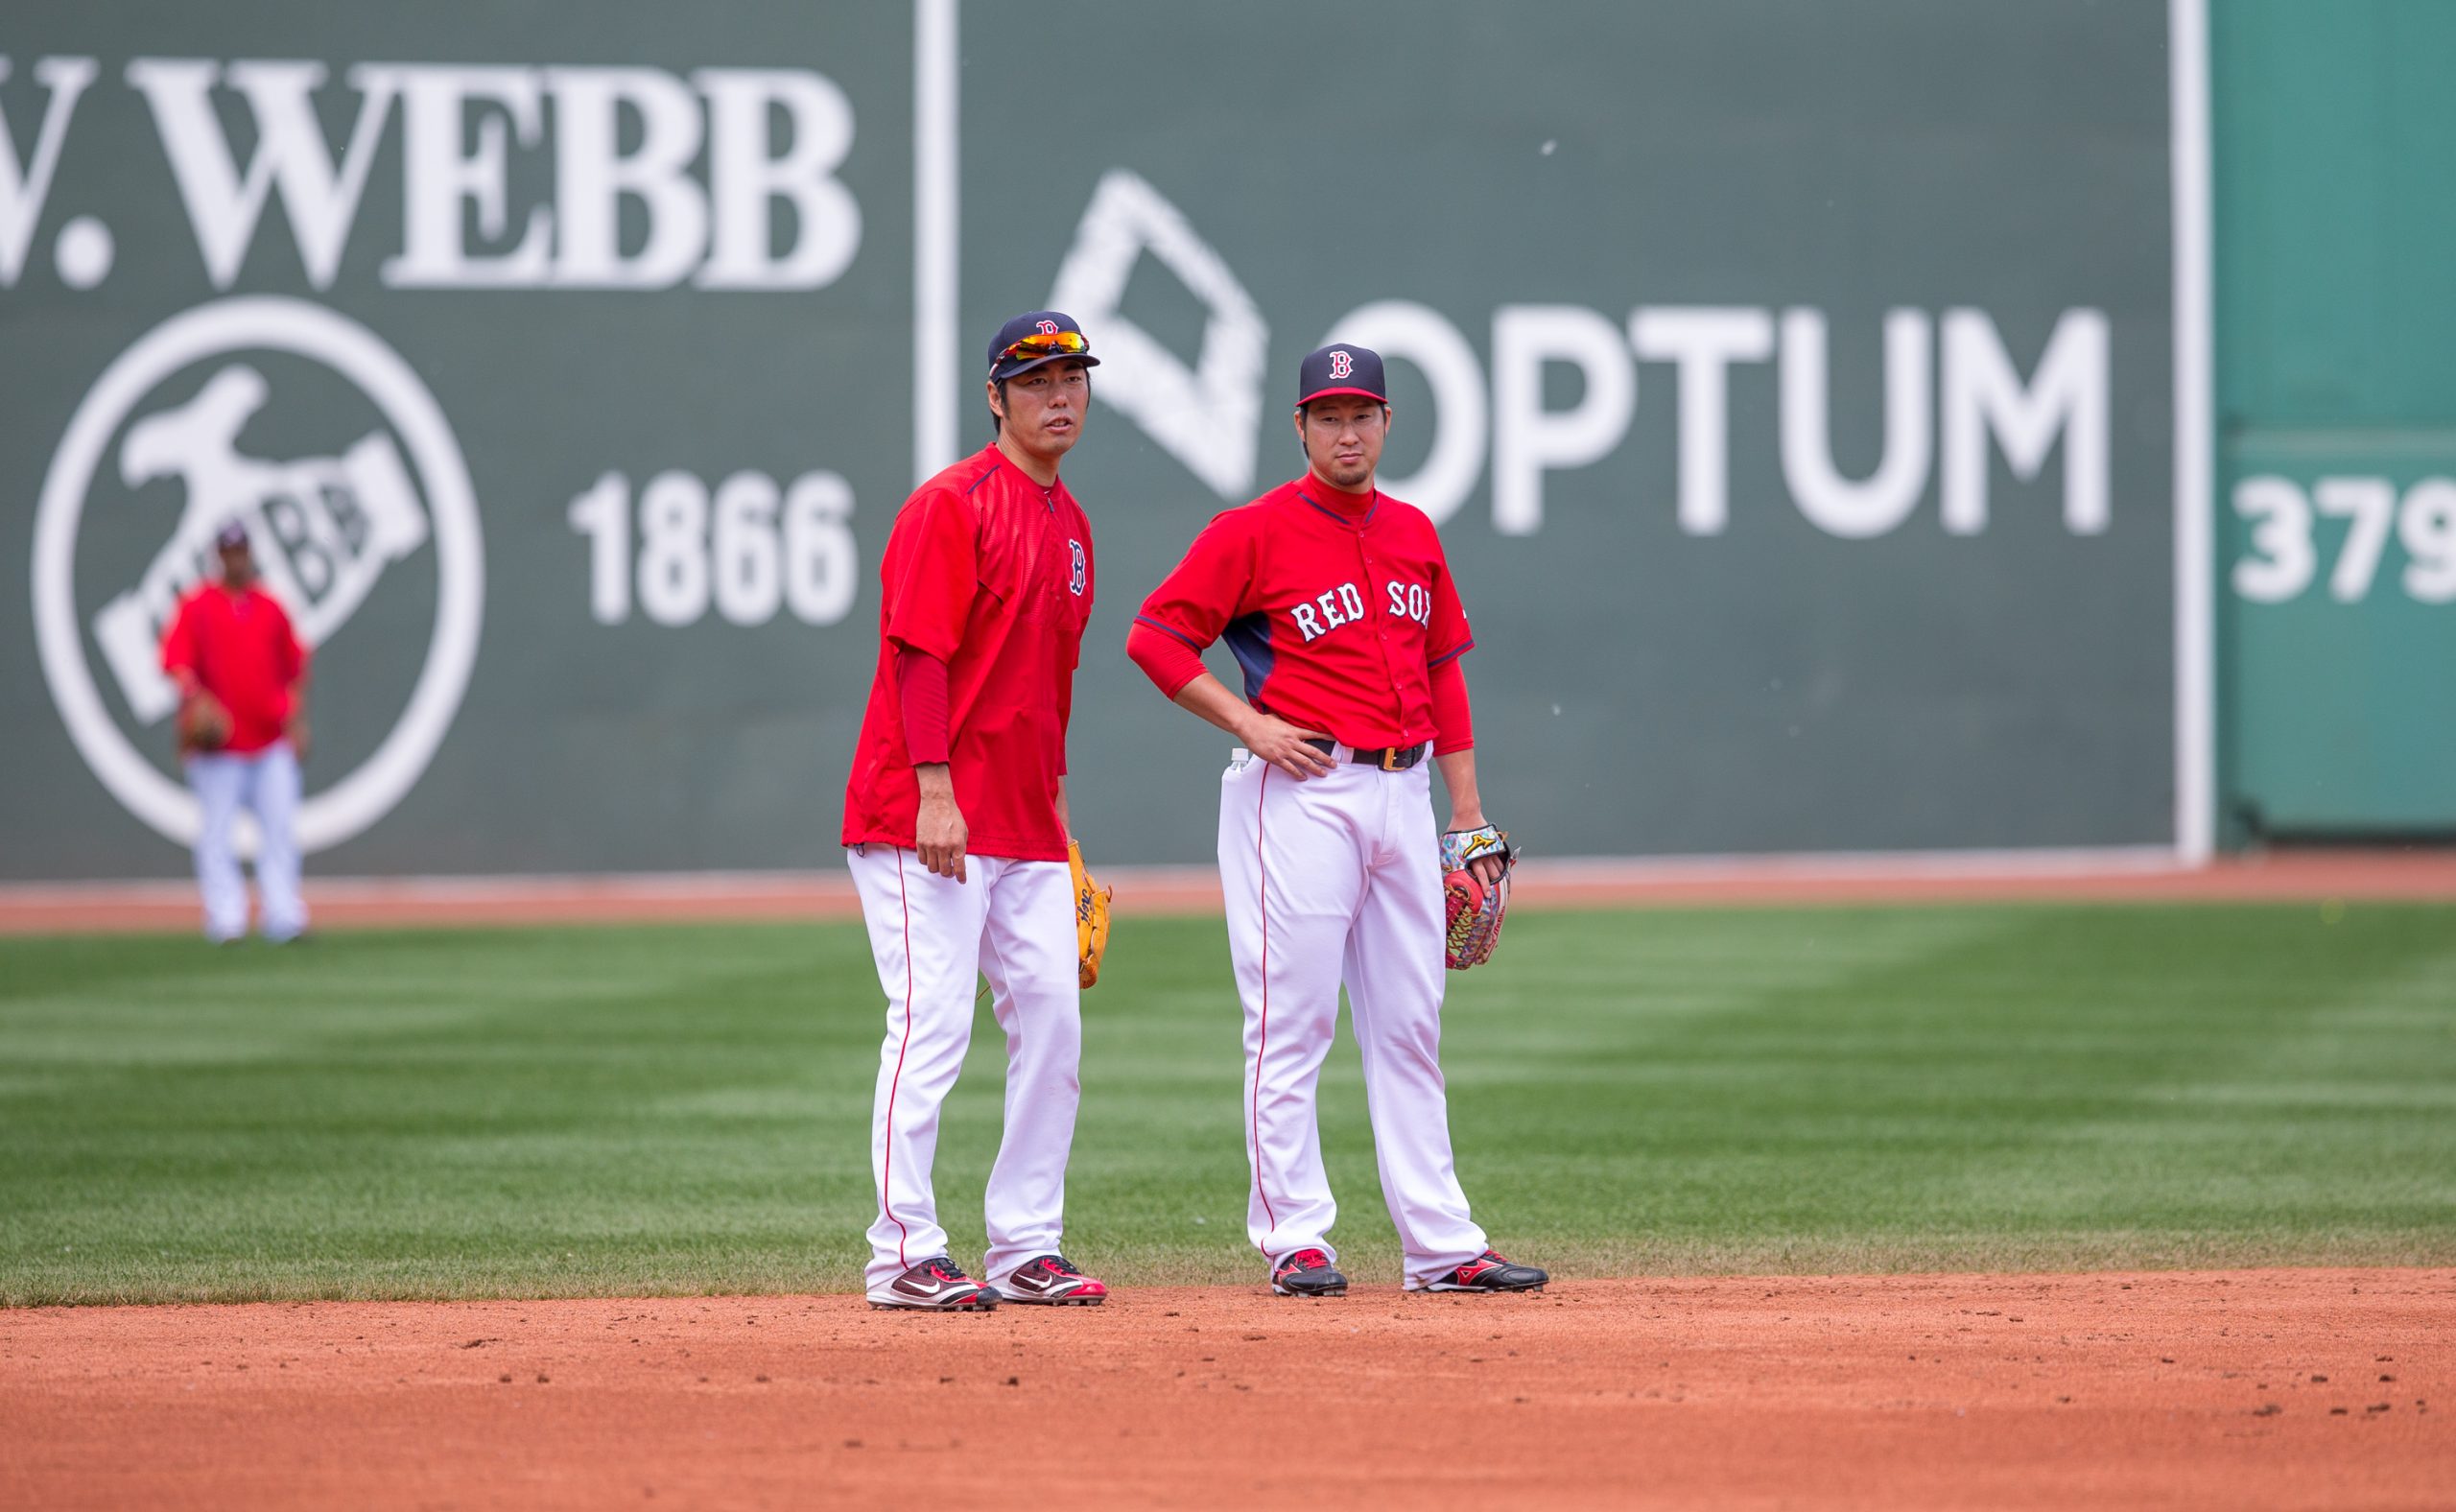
<point>194,415</point>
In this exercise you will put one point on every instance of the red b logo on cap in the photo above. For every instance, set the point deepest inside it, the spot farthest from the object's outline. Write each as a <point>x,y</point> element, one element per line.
<point>1342,364</point>
<point>1048,327</point>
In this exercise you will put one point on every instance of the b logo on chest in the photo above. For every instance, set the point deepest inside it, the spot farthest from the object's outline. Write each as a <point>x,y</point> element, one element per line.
<point>1079,570</point>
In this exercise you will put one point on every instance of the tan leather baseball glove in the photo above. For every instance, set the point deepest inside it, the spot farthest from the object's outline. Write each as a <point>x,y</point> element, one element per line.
<point>1091,917</point>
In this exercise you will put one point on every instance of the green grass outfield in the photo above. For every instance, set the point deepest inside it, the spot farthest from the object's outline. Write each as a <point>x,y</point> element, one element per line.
<point>623,1110</point>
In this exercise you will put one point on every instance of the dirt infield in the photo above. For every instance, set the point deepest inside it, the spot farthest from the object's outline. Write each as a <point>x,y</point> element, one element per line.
<point>2214,1389</point>
<point>1943,877</point>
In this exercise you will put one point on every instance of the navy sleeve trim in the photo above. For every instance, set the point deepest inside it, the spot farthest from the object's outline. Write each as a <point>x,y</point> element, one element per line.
<point>1169,630</point>
<point>1451,654</point>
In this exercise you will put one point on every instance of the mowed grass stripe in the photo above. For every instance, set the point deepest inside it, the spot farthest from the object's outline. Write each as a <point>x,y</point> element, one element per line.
<point>574,1111</point>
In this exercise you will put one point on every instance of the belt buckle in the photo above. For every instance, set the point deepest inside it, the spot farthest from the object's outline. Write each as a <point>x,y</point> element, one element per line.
<point>1390,758</point>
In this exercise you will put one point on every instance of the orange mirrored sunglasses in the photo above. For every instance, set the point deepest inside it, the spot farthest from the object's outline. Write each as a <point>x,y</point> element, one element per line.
<point>1046,344</point>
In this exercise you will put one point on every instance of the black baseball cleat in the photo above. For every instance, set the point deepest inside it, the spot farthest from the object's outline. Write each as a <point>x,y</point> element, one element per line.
<point>1307,1273</point>
<point>1489,1271</point>
<point>934,1286</point>
<point>1052,1281</point>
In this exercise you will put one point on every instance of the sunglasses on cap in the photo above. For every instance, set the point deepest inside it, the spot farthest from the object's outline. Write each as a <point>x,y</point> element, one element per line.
<point>1046,343</point>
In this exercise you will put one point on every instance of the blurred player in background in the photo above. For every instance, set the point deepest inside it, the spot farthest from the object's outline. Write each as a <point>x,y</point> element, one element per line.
<point>1343,617</point>
<point>957,823</point>
<point>241,678</point>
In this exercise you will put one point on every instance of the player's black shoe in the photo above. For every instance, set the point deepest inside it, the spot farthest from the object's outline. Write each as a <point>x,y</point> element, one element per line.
<point>934,1286</point>
<point>1307,1273</point>
<point>1052,1281</point>
<point>1489,1271</point>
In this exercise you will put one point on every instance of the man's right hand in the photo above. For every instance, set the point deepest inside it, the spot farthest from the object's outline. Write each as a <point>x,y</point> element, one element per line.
<point>939,830</point>
<point>203,724</point>
<point>1284,746</point>
<point>1265,735</point>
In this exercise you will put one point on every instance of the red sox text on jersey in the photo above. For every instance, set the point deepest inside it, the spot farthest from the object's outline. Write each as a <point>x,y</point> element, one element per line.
<point>1344,604</point>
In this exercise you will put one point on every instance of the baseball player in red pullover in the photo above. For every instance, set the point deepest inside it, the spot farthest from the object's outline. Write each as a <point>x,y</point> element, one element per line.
<point>1343,617</point>
<point>955,821</point>
<point>242,678</point>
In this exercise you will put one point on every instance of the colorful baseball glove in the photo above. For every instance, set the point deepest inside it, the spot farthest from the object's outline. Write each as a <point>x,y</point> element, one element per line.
<point>1091,917</point>
<point>1475,910</point>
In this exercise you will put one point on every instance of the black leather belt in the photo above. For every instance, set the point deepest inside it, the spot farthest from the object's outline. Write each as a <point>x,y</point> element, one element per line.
<point>1389,758</point>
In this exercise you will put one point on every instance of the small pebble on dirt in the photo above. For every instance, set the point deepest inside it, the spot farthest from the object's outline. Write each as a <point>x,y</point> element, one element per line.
<point>541,1377</point>
<point>2267,1409</point>
<point>2319,1378</point>
<point>1014,1380</point>
<point>2336,1412</point>
<point>504,1378</point>
<point>2387,1377</point>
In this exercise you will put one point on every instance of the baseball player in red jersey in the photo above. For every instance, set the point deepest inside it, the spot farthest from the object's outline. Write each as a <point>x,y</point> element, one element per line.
<point>242,678</point>
<point>955,822</point>
<point>1341,612</point>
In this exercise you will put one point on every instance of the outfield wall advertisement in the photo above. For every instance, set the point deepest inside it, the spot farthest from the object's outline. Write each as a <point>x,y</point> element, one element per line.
<point>1793,385</point>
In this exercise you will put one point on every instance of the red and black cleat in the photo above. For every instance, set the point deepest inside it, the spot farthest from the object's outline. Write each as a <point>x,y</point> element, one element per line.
<point>1307,1273</point>
<point>1052,1281</point>
<point>1489,1271</point>
<point>934,1286</point>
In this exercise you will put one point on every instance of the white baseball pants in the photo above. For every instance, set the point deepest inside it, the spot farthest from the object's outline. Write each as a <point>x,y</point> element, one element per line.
<point>1012,922</point>
<point>266,784</point>
<point>1330,880</point>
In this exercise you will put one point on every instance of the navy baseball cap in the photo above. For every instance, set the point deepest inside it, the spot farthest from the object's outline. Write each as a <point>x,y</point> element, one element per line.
<point>1045,336</point>
<point>1342,368</point>
<point>230,536</point>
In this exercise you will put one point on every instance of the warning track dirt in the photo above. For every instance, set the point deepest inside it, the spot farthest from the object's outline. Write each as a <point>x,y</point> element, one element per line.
<point>2425,874</point>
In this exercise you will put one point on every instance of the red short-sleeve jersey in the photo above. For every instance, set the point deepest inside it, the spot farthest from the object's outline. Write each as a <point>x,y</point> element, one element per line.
<point>991,574</point>
<point>239,647</point>
<point>1336,607</point>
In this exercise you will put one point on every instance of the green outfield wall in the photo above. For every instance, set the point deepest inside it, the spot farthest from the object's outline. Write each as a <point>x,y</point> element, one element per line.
<point>1794,384</point>
<point>2336,389</point>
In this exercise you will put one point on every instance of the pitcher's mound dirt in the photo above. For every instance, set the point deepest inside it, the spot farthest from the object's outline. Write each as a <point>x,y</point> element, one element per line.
<point>2234,1389</point>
